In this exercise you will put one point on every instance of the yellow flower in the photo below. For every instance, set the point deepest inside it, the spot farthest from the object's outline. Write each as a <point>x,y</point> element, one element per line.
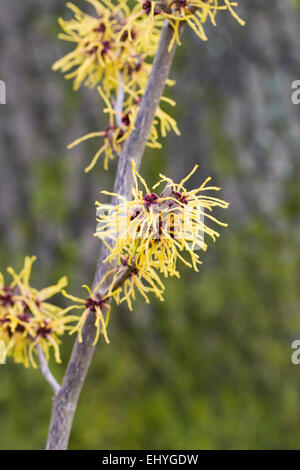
<point>116,46</point>
<point>142,279</point>
<point>155,230</point>
<point>192,12</point>
<point>144,236</point>
<point>27,319</point>
<point>124,281</point>
<point>101,52</point>
<point>122,123</point>
<point>94,305</point>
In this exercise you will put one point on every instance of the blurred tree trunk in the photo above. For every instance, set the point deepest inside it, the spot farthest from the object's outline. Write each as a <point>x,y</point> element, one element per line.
<point>244,132</point>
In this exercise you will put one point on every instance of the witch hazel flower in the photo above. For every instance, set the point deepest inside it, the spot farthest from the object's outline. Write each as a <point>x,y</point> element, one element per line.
<point>158,230</point>
<point>28,320</point>
<point>194,13</point>
<point>121,124</point>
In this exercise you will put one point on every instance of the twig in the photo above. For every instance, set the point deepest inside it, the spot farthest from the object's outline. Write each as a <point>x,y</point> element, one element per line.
<point>65,402</point>
<point>46,371</point>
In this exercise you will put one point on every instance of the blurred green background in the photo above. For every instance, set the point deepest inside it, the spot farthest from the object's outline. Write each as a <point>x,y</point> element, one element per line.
<point>210,367</point>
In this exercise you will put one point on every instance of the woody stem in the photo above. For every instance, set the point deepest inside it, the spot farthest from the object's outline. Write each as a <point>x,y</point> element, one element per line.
<point>46,371</point>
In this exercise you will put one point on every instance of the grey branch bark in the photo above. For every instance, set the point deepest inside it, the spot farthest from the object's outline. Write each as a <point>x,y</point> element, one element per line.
<point>46,371</point>
<point>65,402</point>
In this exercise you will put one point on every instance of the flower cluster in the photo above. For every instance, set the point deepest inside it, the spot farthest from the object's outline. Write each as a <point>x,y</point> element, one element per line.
<point>27,319</point>
<point>116,46</point>
<point>149,235</point>
<point>146,238</point>
<point>121,59</point>
<point>194,13</point>
<point>152,232</point>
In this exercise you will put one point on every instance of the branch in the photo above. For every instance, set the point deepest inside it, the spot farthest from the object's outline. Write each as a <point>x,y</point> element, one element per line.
<point>134,147</point>
<point>65,402</point>
<point>46,371</point>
